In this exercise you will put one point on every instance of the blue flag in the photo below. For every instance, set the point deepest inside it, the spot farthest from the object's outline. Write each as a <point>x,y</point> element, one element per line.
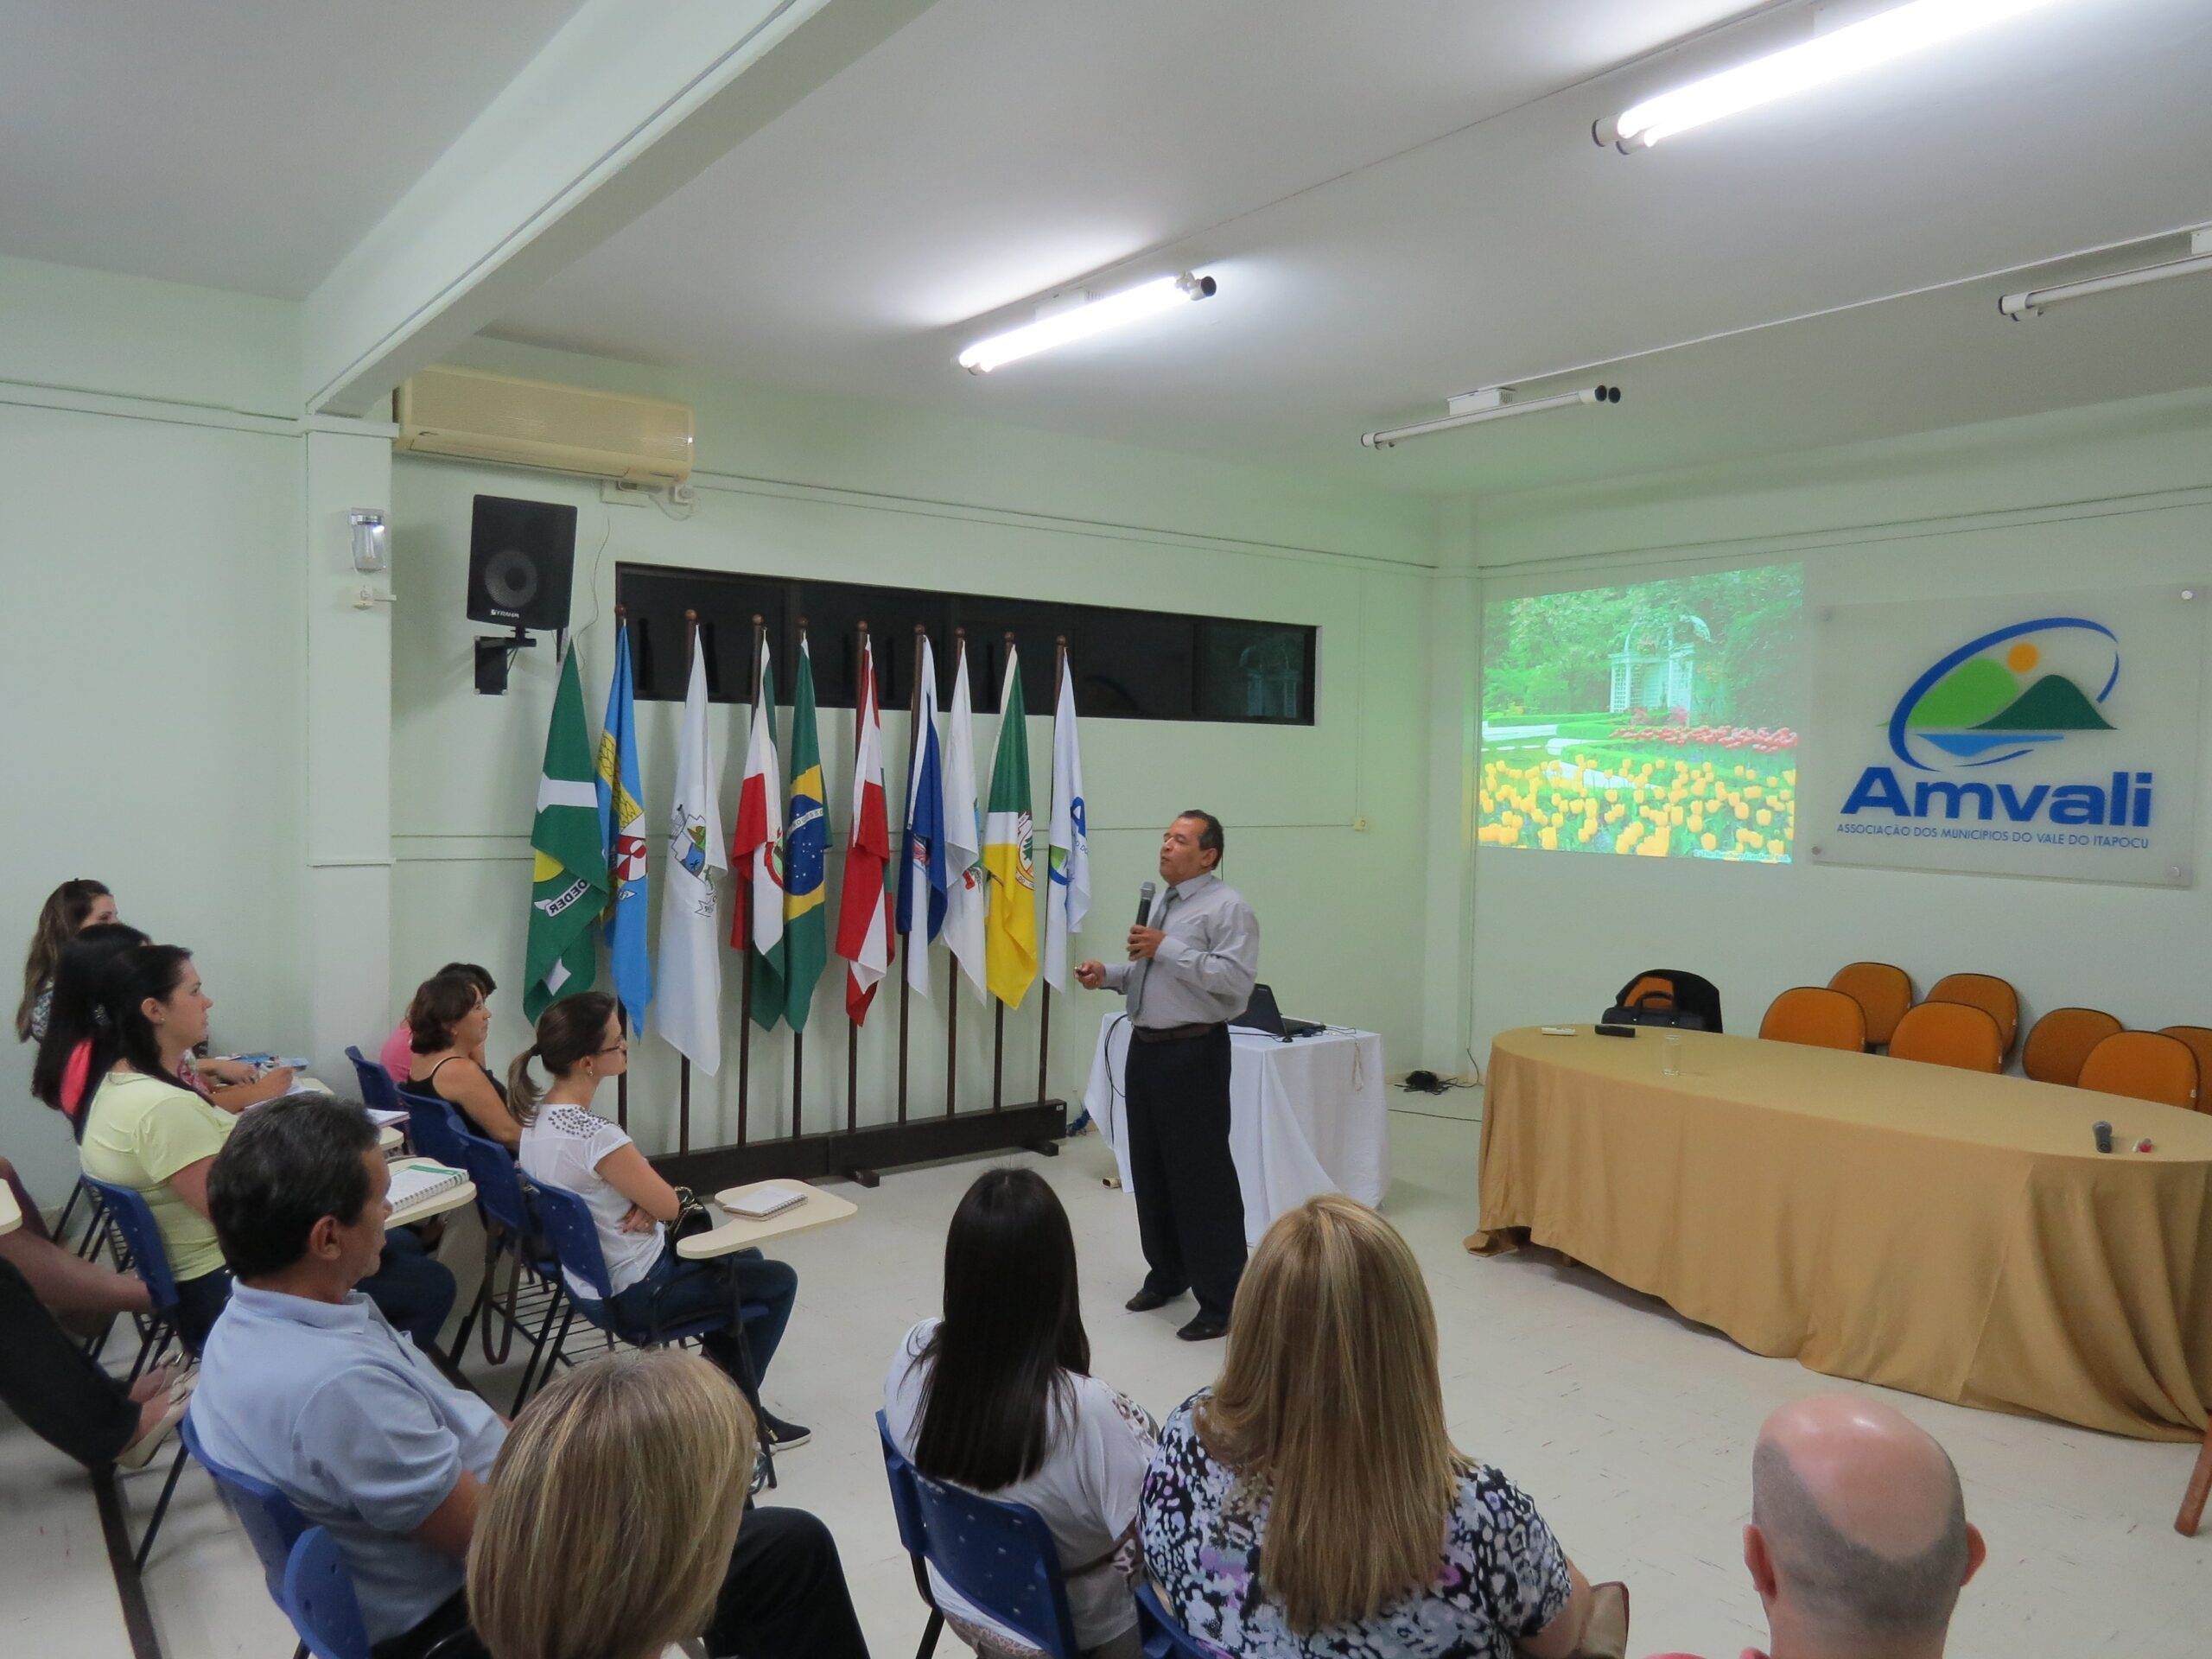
<point>622,838</point>
<point>923,869</point>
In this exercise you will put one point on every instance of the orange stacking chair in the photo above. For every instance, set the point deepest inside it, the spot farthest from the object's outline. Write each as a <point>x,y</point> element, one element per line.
<point>1817,1018</point>
<point>1949,1033</point>
<point>2199,1038</point>
<point>2146,1065</point>
<point>1882,992</point>
<point>1992,996</point>
<point>2061,1039</point>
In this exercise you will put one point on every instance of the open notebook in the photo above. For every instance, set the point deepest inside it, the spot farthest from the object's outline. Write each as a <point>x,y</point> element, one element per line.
<point>417,1180</point>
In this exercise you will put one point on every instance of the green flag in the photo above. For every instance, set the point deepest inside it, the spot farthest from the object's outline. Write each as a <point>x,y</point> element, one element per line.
<point>568,877</point>
<point>806,850</point>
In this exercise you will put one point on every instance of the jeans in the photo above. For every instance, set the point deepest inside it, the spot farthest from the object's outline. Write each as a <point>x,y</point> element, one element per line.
<point>63,1397</point>
<point>694,1290</point>
<point>411,1288</point>
<point>784,1597</point>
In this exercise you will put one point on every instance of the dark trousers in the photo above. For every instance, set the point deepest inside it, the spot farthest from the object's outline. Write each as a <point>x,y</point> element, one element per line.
<point>1190,1209</point>
<point>45,1379</point>
<point>782,1598</point>
<point>675,1290</point>
<point>411,1288</point>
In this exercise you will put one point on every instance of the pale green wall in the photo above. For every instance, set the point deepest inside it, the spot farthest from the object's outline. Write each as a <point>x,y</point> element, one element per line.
<point>913,501</point>
<point>2118,496</point>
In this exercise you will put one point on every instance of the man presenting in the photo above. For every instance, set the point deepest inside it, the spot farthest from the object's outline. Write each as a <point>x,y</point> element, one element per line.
<point>1189,973</point>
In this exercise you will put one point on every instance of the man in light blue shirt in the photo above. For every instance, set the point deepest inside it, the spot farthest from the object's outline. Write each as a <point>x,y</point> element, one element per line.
<point>305,1386</point>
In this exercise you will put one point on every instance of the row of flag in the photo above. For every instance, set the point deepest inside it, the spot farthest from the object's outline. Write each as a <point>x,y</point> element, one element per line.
<point>965,875</point>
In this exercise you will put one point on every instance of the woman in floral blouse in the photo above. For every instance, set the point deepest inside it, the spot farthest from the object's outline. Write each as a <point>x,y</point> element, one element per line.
<point>1311,1503</point>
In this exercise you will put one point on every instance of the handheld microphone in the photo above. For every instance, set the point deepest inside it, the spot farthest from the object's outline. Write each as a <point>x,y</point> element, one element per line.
<point>1144,904</point>
<point>2102,1130</point>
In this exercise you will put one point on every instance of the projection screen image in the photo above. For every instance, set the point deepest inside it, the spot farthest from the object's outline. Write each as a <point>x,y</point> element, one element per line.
<point>1658,721</point>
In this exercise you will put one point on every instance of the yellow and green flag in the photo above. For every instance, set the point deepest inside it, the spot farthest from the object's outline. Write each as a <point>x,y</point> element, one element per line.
<point>569,878</point>
<point>1010,924</point>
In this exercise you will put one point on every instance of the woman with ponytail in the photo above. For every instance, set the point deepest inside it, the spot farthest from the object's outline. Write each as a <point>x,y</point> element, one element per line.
<point>580,1043</point>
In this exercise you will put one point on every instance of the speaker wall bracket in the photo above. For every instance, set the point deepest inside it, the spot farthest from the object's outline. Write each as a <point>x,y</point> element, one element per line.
<point>495,656</point>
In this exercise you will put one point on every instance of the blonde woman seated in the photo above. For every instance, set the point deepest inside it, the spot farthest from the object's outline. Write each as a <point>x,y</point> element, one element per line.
<point>1311,1503</point>
<point>997,1398</point>
<point>580,1045</point>
<point>615,1526</point>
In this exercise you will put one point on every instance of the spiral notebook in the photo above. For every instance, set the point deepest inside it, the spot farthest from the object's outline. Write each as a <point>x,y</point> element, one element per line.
<point>413,1182</point>
<point>758,1203</point>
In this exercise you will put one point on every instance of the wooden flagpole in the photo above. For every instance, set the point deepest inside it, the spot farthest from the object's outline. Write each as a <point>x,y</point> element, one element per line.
<point>913,748</point>
<point>745,909</point>
<point>852,1026</point>
<point>621,1014</point>
<point>952,995</point>
<point>1045,1003</point>
<point>683,1064</point>
<point>798,1035</point>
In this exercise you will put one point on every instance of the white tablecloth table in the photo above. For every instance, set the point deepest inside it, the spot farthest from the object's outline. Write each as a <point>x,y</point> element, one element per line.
<point>1304,1118</point>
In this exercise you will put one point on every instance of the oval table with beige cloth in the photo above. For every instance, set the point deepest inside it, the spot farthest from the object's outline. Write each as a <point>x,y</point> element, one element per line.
<point>1947,1232</point>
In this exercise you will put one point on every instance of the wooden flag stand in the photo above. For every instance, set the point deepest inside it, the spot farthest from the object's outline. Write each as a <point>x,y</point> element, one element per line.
<point>852,1152</point>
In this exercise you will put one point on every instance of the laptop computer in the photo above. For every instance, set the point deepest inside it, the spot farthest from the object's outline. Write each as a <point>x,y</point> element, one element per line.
<point>1261,1014</point>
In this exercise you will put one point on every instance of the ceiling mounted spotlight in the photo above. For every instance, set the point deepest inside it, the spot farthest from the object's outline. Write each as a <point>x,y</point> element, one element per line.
<point>2036,301</point>
<point>1829,55</point>
<point>1492,403</point>
<point>1079,317</point>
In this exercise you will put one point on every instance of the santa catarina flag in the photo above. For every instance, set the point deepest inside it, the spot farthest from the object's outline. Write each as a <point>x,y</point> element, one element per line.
<point>864,913</point>
<point>568,874</point>
<point>756,853</point>
<point>1009,853</point>
<point>806,854</point>
<point>622,838</point>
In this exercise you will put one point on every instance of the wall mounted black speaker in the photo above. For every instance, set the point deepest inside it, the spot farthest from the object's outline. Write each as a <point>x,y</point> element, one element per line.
<point>521,557</point>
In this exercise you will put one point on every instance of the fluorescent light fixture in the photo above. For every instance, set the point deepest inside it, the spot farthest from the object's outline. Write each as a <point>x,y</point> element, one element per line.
<point>1865,45</point>
<point>2036,300</point>
<point>1081,322</point>
<point>1493,403</point>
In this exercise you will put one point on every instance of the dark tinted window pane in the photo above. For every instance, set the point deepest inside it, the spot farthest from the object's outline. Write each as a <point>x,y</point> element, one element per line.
<point>1255,672</point>
<point>1131,664</point>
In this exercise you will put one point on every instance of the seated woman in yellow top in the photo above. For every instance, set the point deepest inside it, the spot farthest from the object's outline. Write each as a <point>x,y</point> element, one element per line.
<point>145,1131</point>
<point>449,1021</point>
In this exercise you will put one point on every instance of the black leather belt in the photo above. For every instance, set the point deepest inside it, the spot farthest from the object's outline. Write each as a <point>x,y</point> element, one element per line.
<point>1177,1033</point>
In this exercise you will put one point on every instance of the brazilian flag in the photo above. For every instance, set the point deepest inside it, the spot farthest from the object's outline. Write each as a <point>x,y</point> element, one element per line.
<point>806,851</point>
<point>568,886</point>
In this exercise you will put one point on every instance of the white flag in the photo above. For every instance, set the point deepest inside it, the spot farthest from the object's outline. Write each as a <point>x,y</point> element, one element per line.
<point>687,1004</point>
<point>1067,897</point>
<point>967,889</point>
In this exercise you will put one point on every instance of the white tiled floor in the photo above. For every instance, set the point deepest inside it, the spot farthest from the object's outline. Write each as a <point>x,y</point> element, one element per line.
<point>1632,1427</point>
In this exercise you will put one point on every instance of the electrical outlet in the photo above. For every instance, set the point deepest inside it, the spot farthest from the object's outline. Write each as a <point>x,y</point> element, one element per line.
<point>613,491</point>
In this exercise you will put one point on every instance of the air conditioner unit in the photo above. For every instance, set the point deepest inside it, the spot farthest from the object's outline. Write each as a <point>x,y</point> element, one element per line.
<point>478,416</point>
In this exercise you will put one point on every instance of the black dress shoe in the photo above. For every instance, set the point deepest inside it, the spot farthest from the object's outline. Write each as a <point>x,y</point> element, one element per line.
<point>1147,1299</point>
<point>1203,1329</point>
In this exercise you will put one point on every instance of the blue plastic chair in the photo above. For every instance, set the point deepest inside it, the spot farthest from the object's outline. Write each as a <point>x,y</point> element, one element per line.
<point>512,1230</point>
<point>1162,1637</point>
<point>133,1218</point>
<point>319,1599</point>
<point>435,1127</point>
<point>1000,1556</point>
<point>378,1092</point>
<point>575,1238</point>
<point>272,1526</point>
<point>907,1510</point>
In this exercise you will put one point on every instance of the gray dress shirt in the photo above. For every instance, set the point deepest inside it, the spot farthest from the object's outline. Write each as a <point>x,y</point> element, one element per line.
<point>1204,970</point>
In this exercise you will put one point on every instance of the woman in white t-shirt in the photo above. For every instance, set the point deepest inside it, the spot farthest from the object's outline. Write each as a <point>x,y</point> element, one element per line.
<point>579,1043</point>
<point>997,1398</point>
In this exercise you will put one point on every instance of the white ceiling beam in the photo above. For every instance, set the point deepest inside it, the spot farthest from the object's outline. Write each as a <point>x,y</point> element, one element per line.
<point>625,105</point>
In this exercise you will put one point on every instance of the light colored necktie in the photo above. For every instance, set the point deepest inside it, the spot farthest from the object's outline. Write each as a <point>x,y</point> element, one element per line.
<point>1144,967</point>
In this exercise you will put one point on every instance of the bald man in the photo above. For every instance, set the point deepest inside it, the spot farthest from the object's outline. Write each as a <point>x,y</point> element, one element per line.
<point>1858,1542</point>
